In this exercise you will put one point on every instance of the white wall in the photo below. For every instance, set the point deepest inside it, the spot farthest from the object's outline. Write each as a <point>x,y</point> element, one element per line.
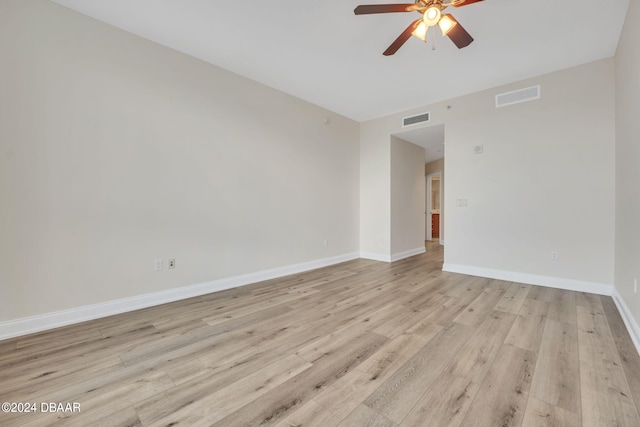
<point>407,198</point>
<point>375,178</point>
<point>545,181</point>
<point>388,222</point>
<point>375,192</point>
<point>627,251</point>
<point>115,151</point>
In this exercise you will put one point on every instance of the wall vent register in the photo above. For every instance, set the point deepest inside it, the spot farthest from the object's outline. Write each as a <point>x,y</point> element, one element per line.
<point>414,120</point>
<point>518,96</point>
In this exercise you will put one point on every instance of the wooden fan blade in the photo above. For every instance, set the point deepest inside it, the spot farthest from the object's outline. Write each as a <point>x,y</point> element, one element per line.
<point>458,35</point>
<point>402,38</point>
<point>466,3</point>
<point>365,9</point>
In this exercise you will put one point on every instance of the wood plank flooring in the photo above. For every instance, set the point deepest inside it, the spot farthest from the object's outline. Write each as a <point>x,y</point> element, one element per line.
<point>362,343</point>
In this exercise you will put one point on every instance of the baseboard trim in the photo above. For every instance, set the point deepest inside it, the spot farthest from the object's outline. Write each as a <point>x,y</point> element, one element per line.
<point>28,325</point>
<point>393,257</point>
<point>375,257</point>
<point>406,254</point>
<point>531,279</point>
<point>442,242</point>
<point>627,318</point>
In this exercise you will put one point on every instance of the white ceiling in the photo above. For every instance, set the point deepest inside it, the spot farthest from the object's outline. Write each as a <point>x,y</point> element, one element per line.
<point>431,138</point>
<point>321,52</point>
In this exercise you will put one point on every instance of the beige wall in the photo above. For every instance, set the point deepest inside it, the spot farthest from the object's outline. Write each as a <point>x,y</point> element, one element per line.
<point>115,151</point>
<point>434,167</point>
<point>407,197</point>
<point>627,251</point>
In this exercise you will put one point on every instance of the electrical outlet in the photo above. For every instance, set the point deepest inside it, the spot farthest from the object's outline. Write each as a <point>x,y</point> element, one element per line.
<point>326,242</point>
<point>635,286</point>
<point>158,264</point>
<point>461,202</point>
<point>172,263</point>
<point>555,256</point>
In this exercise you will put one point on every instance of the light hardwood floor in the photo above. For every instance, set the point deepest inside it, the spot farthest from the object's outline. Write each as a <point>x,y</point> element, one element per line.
<point>362,343</point>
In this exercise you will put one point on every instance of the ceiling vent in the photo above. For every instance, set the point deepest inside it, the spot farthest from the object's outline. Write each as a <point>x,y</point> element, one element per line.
<point>414,120</point>
<point>517,96</point>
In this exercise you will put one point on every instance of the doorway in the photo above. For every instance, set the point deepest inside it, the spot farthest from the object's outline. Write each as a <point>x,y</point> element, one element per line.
<point>433,198</point>
<point>431,138</point>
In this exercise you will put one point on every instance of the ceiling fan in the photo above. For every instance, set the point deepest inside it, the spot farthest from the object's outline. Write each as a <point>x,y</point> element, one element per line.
<point>431,11</point>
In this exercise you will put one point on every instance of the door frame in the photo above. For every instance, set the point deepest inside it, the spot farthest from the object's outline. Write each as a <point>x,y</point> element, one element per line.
<point>427,216</point>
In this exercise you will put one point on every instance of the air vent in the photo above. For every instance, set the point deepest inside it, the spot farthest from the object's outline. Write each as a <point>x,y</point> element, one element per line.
<point>414,120</point>
<point>517,96</point>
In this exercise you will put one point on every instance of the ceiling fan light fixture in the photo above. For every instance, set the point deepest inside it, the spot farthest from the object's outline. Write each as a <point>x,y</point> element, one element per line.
<point>446,24</point>
<point>431,15</point>
<point>421,31</point>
